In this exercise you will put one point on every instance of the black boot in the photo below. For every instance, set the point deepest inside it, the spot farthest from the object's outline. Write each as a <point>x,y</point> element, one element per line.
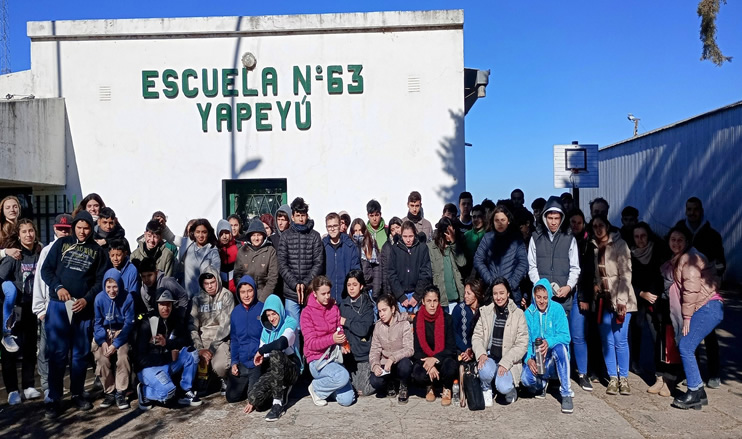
<point>702,396</point>
<point>690,400</point>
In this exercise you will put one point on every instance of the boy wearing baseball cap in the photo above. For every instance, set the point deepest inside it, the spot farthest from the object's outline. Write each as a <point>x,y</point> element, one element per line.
<point>164,347</point>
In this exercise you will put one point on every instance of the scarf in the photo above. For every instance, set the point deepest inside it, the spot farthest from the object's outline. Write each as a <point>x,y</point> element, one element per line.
<point>414,218</point>
<point>498,332</point>
<point>643,255</point>
<point>501,245</point>
<point>440,338</point>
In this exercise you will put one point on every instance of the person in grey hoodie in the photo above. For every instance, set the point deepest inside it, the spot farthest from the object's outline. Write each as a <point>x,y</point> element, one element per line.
<point>258,259</point>
<point>283,222</point>
<point>209,323</point>
<point>553,254</point>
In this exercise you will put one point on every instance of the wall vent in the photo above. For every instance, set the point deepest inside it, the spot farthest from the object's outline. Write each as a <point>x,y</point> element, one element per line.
<point>104,93</point>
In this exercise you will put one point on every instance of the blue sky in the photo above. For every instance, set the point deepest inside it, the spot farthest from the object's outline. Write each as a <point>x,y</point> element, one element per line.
<point>561,71</point>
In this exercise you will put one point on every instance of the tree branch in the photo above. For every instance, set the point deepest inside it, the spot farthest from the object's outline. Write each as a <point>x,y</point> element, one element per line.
<point>708,10</point>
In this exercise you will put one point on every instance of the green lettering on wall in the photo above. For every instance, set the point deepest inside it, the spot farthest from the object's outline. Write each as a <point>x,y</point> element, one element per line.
<point>335,83</point>
<point>186,86</point>
<point>204,112</point>
<point>223,113</point>
<point>270,78</point>
<point>356,81</point>
<point>171,86</point>
<point>148,82</point>
<point>284,112</point>
<point>261,117</point>
<point>246,90</point>
<point>305,80</point>
<point>228,82</point>
<point>214,90</point>
<point>244,112</point>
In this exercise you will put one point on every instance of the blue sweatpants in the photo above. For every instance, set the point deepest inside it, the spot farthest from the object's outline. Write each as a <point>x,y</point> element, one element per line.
<point>61,337</point>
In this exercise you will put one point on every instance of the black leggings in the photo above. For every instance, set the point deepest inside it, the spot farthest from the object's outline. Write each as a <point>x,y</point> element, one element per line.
<point>448,369</point>
<point>238,386</point>
<point>26,332</point>
<point>400,370</point>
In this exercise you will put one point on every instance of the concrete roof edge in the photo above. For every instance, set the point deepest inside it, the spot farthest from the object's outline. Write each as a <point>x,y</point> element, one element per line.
<point>316,23</point>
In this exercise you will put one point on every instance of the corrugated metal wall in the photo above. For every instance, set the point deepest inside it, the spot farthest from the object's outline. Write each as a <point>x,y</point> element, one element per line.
<point>657,172</point>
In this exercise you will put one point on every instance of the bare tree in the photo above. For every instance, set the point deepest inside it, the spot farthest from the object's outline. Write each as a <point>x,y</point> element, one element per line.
<point>708,10</point>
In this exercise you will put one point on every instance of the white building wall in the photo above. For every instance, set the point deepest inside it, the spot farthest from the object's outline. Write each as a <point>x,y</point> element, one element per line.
<point>403,133</point>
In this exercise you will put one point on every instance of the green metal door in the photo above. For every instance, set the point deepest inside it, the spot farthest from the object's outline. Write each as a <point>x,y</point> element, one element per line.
<point>249,198</point>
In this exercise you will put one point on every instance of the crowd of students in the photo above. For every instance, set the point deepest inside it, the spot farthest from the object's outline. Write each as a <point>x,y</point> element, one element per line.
<point>516,297</point>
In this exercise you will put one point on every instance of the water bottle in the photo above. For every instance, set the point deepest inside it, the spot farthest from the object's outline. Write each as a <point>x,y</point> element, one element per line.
<point>456,390</point>
<point>540,369</point>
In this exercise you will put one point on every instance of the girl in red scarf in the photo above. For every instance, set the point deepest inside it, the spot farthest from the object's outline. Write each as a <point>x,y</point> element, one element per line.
<point>434,361</point>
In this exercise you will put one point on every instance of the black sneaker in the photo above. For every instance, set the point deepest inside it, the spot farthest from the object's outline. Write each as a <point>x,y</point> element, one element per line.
<point>144,403</point>
<point>275,413</point>
<point>190,398</point>
<point>403,394</point>
<point>585,383</point>
<point>81,403</point>
<point>121,401</point>
<point>52,410</point>
<point>567,406</point>
<point>108,400</point>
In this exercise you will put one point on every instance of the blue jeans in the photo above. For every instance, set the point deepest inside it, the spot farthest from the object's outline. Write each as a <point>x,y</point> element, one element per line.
<point>704,320</point>
<point>615,340</point>
<point>503,384</point>
<point>557,366</point>
<point>11,292</point>
<point>408,309</point>
<point>333,379</point>
<point>157,382</point>
<point>294,310</point>
<point>61,338</point>
<point>577,324</point>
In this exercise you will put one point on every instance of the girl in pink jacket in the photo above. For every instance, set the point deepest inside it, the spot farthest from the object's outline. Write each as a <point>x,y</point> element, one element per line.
<point>324,344</point>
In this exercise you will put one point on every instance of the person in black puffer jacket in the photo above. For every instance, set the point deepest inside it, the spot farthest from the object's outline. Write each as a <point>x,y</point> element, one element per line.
<point>409,271</point>
<point>301,257</point>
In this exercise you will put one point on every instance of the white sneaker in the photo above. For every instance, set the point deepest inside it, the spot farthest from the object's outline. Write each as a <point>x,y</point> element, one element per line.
<point>487,397</point>
<point>14,398</point>
<point>31,393</point>
<point>9,343</point>
<point>47,400</point>
<point>317,401</point>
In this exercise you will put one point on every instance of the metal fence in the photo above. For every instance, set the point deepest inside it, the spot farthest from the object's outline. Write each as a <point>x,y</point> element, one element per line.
<point>45,209</point>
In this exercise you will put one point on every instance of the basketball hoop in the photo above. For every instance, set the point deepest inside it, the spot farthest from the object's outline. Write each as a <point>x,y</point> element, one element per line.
<point>575,171</point>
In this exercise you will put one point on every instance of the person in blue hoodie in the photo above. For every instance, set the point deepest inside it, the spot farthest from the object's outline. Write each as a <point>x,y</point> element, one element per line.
<point>279,359</point>
<point>74,270</point>
<point>112,327</point>
<point>548,323</point>
<point>341,255</point>
<point>244,333</point>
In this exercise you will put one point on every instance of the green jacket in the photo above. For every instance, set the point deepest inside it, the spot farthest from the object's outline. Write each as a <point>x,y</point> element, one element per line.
<point>163,257</point>
<point>436,263</point>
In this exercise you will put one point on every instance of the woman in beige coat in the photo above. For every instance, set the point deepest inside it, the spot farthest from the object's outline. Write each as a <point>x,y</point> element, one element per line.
<point>392,346</point>
<point>614,291</point>
<point>500,342</point>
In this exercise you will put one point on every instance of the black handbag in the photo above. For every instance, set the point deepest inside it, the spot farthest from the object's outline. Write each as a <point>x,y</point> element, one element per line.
<point>473,387</point>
